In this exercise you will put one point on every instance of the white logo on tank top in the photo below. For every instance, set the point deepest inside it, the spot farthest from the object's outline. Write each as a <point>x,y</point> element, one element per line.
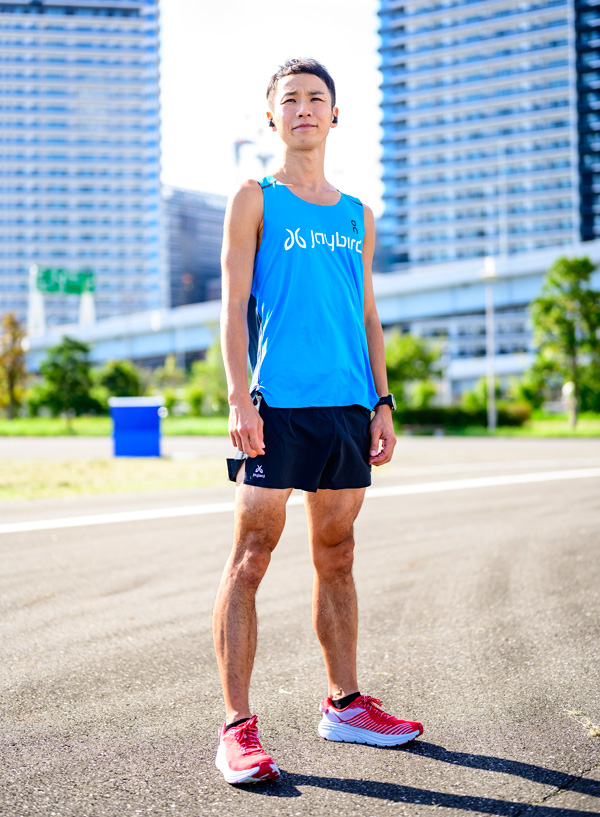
<point>333,241</point>
<point>289,242</point>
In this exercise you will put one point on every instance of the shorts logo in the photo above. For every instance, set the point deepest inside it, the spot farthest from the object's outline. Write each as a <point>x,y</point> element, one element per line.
<point>258,472</point>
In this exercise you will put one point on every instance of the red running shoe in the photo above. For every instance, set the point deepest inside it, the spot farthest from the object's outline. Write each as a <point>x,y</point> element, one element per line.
<point>241,758</point>
<point>363,721</point>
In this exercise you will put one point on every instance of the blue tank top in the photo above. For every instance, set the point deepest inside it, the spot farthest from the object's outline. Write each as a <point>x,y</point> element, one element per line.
<point>308,345</point>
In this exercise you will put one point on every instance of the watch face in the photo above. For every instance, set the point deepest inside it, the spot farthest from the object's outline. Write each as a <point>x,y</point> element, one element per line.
<point>393,402</point>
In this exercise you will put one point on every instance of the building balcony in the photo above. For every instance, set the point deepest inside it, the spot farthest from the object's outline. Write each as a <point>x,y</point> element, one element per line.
<point>501,85</point>
<point>534,197</point>
<point>532,122</point>
<point>461,22</point>
<point>467,61</point>
<point>546,93</point>
<point>552,28</point>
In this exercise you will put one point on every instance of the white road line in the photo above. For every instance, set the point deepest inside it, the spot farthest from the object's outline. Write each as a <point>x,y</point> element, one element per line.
<point>483,482</point>
<point>227,507</point>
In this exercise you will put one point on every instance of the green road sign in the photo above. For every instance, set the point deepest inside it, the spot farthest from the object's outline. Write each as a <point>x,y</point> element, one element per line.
<point>70,282</point>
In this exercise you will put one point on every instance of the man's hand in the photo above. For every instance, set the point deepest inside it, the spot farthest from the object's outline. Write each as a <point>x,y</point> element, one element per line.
<point>382,436</point>
<point>246,427</point>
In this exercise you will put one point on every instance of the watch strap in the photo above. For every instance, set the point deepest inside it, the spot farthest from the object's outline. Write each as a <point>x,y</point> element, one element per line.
<point>387,400</point>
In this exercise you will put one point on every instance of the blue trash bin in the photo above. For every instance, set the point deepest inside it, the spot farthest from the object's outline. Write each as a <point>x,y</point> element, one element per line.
<point>136,425</point>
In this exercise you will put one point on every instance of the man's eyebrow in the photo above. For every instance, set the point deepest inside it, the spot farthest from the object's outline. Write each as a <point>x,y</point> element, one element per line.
<point>293,91</point>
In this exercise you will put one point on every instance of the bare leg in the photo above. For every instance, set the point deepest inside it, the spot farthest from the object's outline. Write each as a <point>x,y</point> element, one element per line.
<point>259,521</point>
<point>331,516</point>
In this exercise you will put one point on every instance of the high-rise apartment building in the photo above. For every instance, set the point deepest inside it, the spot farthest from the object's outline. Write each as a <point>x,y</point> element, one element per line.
<point>491,122</point>
<point>80,152</point>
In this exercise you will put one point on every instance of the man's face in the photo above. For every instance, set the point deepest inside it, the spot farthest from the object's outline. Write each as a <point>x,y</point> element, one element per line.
<point>302,110</point>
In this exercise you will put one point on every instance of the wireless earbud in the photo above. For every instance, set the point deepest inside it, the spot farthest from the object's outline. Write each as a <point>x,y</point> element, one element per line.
<point>334,120</point>
<point>271,123</point>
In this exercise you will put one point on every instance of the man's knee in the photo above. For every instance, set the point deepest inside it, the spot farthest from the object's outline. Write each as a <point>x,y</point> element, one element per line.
<point>249,564</point>
<point>334,558</point>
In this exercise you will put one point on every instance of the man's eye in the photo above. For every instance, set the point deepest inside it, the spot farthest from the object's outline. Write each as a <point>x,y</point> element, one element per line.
<point>318,98</point>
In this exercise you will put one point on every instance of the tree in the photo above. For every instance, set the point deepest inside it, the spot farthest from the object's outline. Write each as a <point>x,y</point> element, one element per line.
<point>13,371</point>
<point>539,383</point>
<point>566,322</point>
<point>68,379</point>
<point>409,359</point>
<point>207,390</point>
<point>120,378</point>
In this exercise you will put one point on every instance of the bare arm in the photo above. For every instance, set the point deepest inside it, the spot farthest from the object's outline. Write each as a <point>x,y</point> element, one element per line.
<point>243,221</point>
<point>382,427</point>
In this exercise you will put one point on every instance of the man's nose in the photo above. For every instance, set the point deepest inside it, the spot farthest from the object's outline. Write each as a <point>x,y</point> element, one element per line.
<point>304,108</point>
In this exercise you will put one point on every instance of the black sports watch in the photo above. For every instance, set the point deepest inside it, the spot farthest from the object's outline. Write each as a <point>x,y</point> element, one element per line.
<point>388,400</point>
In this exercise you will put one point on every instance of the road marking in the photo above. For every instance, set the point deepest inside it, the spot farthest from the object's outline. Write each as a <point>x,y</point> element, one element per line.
<point>483,482</point>
<point>227,507</point>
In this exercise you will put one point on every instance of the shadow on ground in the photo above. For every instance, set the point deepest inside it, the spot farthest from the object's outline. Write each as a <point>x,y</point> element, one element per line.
<point>288,785</point>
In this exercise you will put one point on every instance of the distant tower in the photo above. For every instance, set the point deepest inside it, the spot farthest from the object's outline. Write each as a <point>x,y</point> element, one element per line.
<point>80,153</point>
<point>490,127</point>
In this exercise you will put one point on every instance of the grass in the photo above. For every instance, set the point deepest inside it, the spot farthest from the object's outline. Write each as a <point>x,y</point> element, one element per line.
<point>583,720</point>
<point>541,425</point>
<point>542,428</point>
<point>42,479</point>
<point>39,478</point>
<point>102,426</point>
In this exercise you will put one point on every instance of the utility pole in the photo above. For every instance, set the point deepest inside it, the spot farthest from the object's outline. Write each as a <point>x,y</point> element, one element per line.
<point>489,276</point>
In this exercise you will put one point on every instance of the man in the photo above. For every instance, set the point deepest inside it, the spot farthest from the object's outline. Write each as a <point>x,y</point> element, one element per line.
<point>299,253</point>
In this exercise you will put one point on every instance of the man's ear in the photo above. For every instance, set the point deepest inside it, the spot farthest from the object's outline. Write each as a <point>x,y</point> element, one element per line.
<point>334,117</point>
<point>270,118</point>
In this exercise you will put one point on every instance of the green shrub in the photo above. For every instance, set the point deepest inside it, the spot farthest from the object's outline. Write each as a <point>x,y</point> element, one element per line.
<point>513,414</point>
<point>457,417</point>
<point>207,389</point>
<point>195,395</point>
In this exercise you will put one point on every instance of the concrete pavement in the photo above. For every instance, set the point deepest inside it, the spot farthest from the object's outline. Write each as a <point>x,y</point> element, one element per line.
<point>480,616</point>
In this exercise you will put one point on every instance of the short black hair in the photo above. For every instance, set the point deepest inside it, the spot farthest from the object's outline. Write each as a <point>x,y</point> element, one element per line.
<point>301,66</point>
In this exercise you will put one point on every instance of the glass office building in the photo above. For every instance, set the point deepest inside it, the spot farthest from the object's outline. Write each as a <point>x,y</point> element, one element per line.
<point>491,122</point>
<point>193,237</point>
<point>80,152</point>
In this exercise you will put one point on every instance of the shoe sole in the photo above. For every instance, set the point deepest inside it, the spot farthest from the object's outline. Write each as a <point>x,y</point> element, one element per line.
<point>343,733</point>
<point>264,771</point>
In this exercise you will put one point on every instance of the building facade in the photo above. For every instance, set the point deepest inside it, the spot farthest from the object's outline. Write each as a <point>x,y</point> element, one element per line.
<point>80,152</point>
<point>491,111</point>
<point>194,233</point>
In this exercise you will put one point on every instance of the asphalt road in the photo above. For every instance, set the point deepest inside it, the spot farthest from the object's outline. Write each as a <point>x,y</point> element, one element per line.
<point>480,616</point>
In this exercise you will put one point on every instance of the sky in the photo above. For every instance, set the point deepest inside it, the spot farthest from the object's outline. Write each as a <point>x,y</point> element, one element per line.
<point>216,61</point>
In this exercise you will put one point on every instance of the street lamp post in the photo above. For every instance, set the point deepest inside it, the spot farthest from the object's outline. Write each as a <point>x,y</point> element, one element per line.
<point>489,276</point>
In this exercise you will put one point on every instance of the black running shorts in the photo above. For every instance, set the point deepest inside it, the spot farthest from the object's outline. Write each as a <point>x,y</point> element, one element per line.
<point>310,448</point>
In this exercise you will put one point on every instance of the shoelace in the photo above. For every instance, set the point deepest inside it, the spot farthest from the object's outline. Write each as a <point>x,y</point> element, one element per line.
<point>375,704</point>
<point>247,736</point>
